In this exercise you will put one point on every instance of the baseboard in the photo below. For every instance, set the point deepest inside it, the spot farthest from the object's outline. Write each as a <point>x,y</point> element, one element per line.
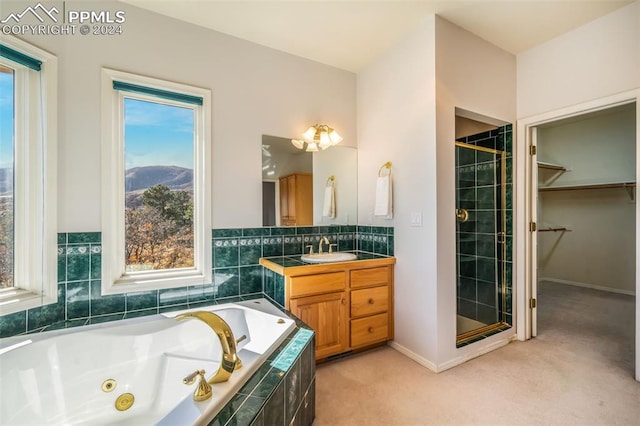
<point>478,351</point>
<point>591,286</point>
<point>414,356</point>
<point>437,368</point>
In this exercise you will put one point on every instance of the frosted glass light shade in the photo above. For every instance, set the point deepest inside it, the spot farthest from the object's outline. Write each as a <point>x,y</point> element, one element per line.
<point>310,133</point>
<point>318,136</point>
<point>325,141</point>
<point>335,137</point>
<point>298,143</point>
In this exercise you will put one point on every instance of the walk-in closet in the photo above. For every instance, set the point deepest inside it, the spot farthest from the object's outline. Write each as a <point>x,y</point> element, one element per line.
<point>586,173</point>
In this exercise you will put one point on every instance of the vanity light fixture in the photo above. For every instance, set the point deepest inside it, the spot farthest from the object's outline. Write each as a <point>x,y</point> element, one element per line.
<point>317,137</point>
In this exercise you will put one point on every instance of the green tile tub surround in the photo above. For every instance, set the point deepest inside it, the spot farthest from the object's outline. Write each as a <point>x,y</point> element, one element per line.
<point>281,390</point>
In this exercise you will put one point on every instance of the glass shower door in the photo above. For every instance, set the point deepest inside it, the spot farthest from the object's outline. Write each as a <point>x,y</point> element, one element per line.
<point>480,241</point>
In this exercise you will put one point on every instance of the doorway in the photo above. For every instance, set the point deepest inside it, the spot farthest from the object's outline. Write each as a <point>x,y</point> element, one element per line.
<point>581,216</point>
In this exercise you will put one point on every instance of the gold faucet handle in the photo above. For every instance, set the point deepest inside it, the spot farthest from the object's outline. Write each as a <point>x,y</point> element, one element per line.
<point>203,390</point>
<point>191,378</point>
<point>331,246</point>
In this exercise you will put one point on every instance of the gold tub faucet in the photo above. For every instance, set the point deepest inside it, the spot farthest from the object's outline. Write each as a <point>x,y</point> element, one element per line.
<point>230,360</point>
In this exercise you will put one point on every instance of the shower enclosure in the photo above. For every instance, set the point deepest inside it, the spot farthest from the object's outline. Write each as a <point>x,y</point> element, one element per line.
<point>480,238</point>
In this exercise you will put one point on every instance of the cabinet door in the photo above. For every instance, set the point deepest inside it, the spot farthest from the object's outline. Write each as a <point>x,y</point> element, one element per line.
<point>327,315</point>
<point>291,196</point>
<point>284,199</point>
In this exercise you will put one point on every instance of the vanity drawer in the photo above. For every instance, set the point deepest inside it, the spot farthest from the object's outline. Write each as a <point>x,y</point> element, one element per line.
<point>319,283</point>
<point>369,301</point>
<point>369,277</point>
<point>368,330</point>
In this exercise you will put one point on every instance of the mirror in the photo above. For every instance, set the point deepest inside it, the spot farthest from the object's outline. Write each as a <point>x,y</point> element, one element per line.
<point>294,184</point>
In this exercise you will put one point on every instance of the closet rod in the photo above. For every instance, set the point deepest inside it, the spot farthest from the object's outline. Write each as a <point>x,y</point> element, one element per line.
<point>563,229</point>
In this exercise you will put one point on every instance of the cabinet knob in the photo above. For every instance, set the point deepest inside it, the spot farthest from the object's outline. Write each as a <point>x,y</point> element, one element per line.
<point>371,301</point>
<point>370,330</point>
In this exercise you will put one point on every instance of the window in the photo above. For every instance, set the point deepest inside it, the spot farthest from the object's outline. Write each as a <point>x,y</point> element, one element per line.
<point>156,202</point>
<point>28,235</point>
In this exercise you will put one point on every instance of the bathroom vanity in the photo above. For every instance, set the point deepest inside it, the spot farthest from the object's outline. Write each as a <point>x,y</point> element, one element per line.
<point>349,304</point>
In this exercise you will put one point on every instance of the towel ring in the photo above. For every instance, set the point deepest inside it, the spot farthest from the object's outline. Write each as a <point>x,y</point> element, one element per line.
<point>330,180</point>
<point>386,165</point>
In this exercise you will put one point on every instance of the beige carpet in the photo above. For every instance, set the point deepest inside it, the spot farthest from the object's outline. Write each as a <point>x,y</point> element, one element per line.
<point>578,371</point>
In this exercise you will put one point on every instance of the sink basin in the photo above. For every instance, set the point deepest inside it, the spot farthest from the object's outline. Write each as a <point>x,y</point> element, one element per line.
<point>328,257</point>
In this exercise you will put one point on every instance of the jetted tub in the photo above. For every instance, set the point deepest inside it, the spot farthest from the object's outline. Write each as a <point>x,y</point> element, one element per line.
<point>75,376</point>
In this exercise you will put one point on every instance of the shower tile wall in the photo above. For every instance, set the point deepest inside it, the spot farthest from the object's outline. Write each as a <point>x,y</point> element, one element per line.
<point>478,297</point>
<point>236,275</point>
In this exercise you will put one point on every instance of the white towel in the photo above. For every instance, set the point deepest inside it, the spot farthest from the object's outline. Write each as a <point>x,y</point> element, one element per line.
<point>329,206</point>
<point>384,197</point>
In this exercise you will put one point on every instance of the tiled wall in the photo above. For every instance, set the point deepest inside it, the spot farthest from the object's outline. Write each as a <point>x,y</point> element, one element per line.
<point>480,293</point>
<point>235,269</point>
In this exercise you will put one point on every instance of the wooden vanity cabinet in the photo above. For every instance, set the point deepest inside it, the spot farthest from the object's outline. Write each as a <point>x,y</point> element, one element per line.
<point>320,300</point>
<point>327,315</point>
<point>349,305</point>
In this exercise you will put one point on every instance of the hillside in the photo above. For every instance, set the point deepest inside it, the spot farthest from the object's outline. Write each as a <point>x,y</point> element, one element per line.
<point>141,178</point>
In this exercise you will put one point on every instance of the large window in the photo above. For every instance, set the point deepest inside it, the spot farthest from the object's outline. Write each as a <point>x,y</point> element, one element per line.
<point>156,225</point>
<point>28,235</point>
<point>7,164</point>
<point>159,149</point>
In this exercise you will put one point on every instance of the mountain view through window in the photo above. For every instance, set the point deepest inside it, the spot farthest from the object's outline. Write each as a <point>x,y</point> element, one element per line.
<point>7,136</point>
<point>159,157</point>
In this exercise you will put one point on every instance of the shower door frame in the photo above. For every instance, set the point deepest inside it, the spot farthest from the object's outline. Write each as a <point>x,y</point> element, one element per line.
<point>500,238</point>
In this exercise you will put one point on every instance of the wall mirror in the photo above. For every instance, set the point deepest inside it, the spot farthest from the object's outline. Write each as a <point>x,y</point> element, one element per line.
<point>294,184</point>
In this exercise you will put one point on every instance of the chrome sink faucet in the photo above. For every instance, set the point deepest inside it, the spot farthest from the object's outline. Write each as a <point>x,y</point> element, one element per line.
<point>324,240</point>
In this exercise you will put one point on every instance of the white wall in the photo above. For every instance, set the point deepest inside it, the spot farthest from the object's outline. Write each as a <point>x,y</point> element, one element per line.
<point>476,76</point>
<point>256,91</point>
<point>396,122</point>
<point>437,68</point>
<point>593,61</point>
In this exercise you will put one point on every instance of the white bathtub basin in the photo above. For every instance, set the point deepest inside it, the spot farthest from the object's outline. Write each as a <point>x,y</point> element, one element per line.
<point>56,377</point>
<point>339,256</point>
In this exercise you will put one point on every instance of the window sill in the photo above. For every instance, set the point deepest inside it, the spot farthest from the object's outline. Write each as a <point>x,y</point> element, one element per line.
<point>17,299</point>
<point>147,282</point>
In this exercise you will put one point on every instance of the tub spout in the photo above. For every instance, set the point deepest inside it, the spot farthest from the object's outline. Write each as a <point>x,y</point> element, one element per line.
<point>230,360</point>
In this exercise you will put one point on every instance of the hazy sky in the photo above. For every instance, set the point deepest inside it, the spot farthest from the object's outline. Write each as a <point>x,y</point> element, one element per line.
<point>158,134</point>
<point>6,120</point>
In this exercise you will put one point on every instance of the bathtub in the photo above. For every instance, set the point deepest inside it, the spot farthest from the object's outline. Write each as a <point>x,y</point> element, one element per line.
<point>75,376</point>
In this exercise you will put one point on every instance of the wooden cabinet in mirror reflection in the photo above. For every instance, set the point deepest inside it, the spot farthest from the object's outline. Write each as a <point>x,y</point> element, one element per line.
<point>296,200</point>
